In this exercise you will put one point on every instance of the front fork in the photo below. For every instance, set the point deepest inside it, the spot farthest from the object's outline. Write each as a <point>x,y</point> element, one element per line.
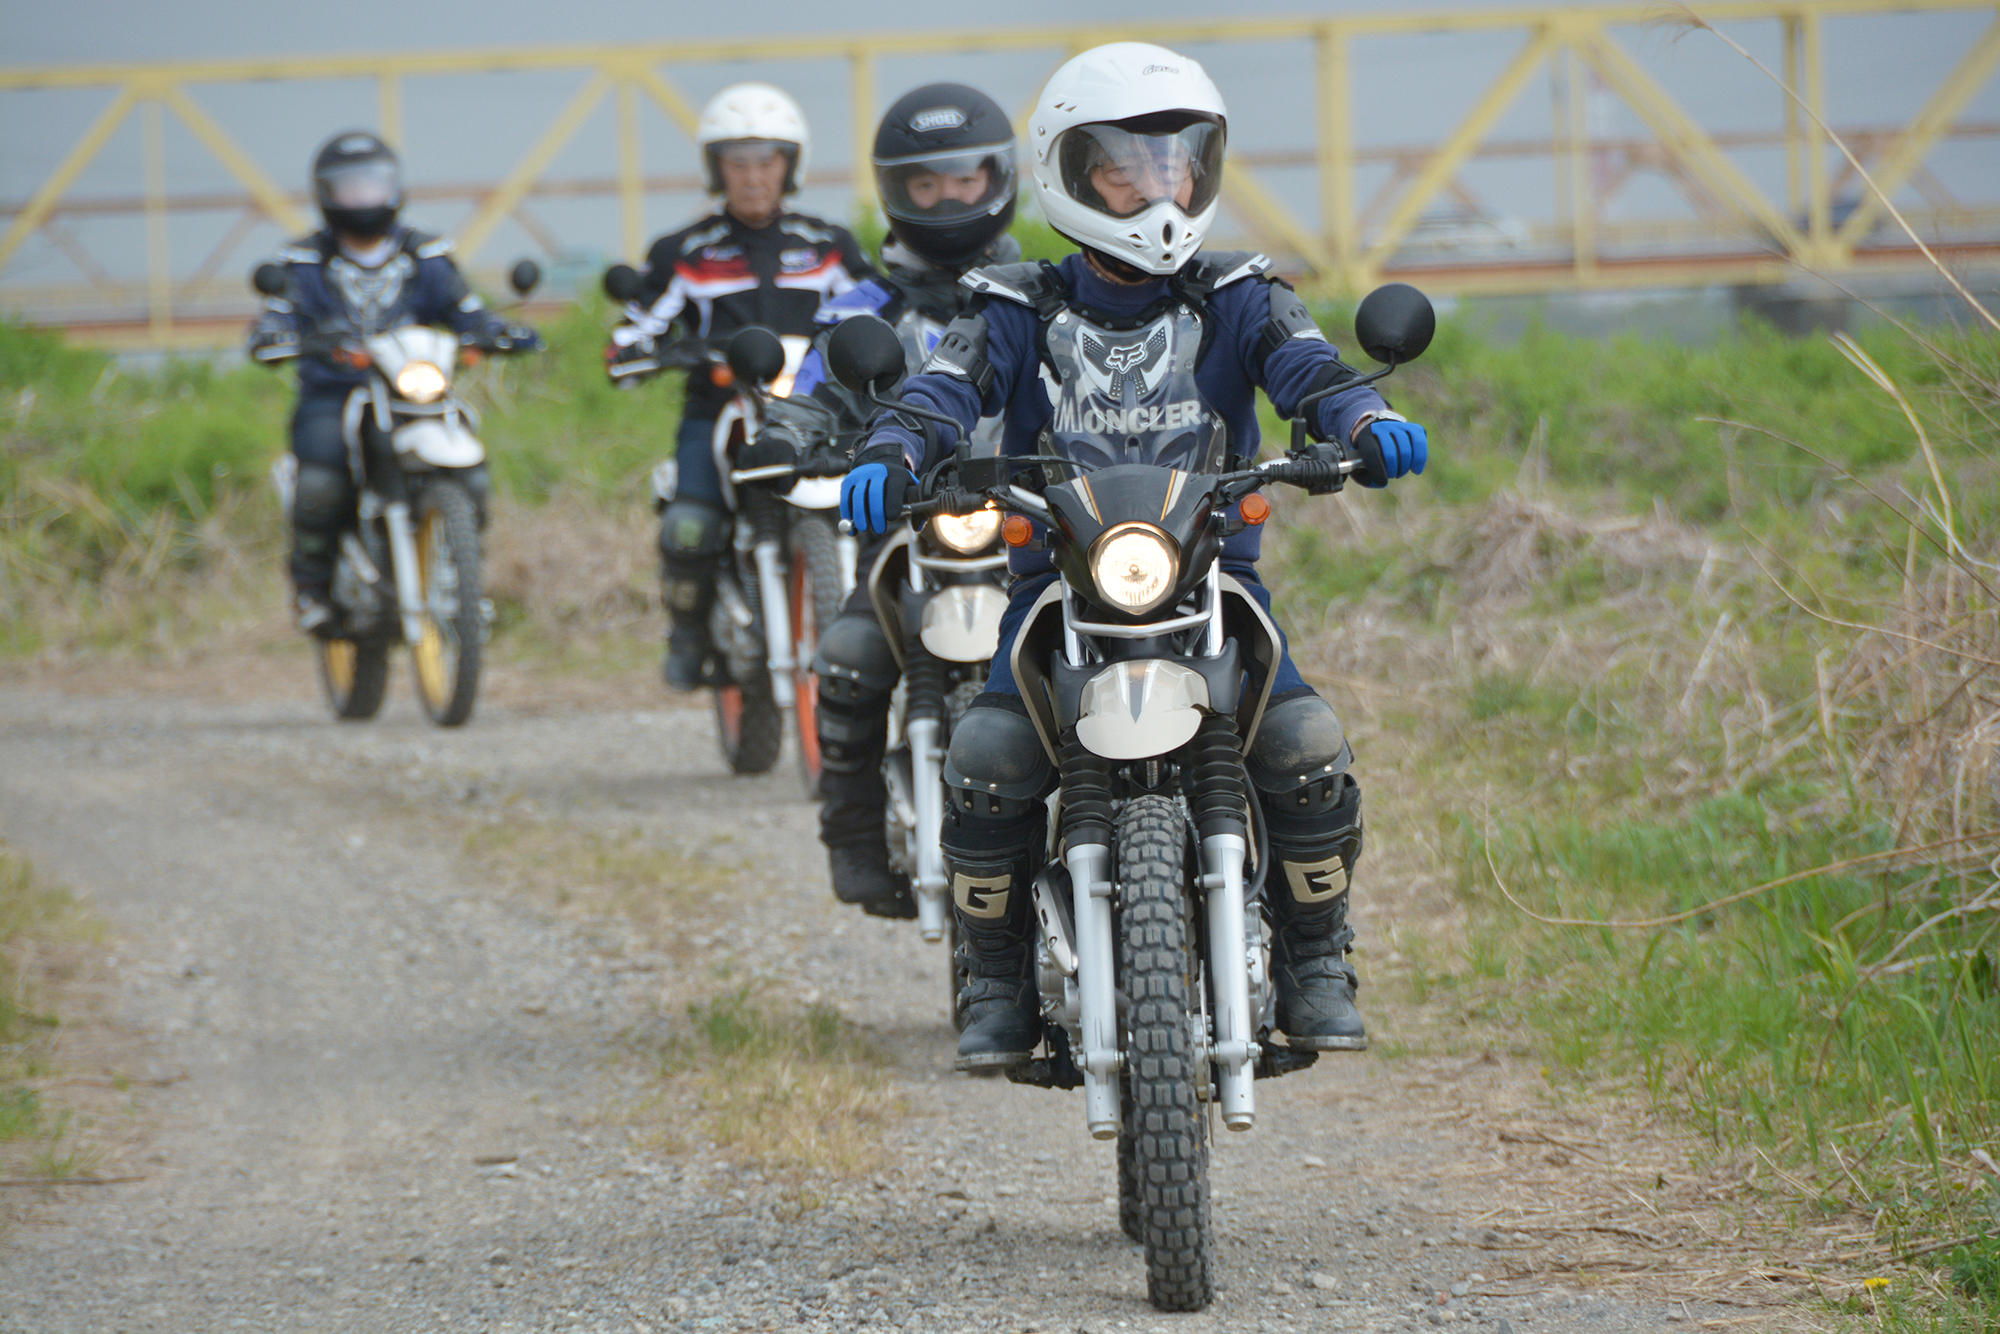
<point>403,558</point>
<point>769,555</point>
<point>1234,1048</point>
<point>927,778</point>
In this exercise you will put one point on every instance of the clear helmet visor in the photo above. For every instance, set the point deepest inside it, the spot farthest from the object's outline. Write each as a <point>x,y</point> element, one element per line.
<point>946,187</point>
<point>362,185</point>
<point>1122,169</point>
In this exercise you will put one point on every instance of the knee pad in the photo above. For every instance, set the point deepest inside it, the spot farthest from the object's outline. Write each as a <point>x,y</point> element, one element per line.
<point>854,650</point>
<point>322,500</point>
<point>692,533</point>
<point>852,722</point>
<point>996,759</point>
<point>1300,744</point>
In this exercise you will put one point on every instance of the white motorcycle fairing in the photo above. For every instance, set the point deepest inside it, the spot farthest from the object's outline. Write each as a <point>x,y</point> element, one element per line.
<point>440,442</point>
<point>1138,709</point>
<point>962,623</point>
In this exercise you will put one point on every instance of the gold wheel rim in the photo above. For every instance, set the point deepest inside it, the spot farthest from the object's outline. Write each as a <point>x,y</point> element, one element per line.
<point>339,657</point>
<point>429,652</point>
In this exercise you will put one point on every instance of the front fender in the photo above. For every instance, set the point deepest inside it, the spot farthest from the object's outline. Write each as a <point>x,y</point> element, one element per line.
<point>438,442</point>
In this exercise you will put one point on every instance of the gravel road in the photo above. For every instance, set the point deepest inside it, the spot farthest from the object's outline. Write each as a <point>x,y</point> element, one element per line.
<point>392,1085</point>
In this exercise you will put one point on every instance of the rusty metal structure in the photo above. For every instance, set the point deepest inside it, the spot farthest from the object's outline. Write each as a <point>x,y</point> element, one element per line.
<point>1372,210</point>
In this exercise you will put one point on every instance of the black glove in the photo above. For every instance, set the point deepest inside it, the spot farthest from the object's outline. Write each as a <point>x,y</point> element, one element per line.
<point>629,362</point>
<point>770,449</point>
<point>516,338</point>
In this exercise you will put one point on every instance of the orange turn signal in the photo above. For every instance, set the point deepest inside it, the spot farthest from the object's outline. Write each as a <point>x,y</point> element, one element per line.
<point>721,376</point>
<point>1255,509</point>
<point>1017,530</point>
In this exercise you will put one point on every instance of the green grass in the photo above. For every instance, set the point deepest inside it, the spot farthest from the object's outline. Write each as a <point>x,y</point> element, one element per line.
<point>796,1089</point>
<point>36,1138</point>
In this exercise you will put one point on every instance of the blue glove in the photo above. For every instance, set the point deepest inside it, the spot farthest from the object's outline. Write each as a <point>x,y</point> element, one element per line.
<point>1391,449</point>
<point>873,495</point>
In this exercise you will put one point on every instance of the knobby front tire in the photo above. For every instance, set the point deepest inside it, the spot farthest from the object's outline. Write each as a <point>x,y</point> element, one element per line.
<point>355,676</point>
<point>1169,1144</point>
<point>816,596</point>
<point>447,652</point>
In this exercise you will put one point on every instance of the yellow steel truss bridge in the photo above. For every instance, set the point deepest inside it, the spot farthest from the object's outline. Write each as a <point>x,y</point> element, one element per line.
<point>1585,152</point>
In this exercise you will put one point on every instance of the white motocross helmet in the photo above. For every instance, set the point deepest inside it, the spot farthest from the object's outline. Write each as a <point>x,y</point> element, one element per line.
<point>1128,141</point>
<point>752,113</point>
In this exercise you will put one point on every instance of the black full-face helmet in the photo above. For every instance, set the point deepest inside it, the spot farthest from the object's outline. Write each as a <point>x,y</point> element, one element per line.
<point>358,184</point>
<point>944,171</point>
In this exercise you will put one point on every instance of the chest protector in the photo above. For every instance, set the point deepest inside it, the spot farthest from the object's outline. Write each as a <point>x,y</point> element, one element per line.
<point>1124,390</point>
<point>1127,393</point>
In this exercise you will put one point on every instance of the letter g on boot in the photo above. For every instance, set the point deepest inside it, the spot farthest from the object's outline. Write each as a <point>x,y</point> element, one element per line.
<point>981,896</point>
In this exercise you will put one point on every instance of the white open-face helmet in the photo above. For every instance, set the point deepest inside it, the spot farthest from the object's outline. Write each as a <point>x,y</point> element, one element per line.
<point>1127,141</point>
<point>752,114</point>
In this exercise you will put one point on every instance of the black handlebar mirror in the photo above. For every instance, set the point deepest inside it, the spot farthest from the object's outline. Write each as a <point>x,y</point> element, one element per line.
<point>865,355</point>
<point>621,283</point>
<point>756,355</point>
<point>524,277</point>
<point>270,279</point>
<point>1395,324</point>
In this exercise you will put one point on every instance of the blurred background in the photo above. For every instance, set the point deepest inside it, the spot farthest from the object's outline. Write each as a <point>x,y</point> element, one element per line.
<point>1561,159</point>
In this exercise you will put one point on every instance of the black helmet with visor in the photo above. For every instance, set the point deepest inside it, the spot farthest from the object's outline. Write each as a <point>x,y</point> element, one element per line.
<point>944,171</point>
<point>358,185</point>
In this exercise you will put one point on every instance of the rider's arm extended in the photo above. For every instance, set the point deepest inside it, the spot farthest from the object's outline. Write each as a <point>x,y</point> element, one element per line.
<point>1284,351</point>
<point>274,335</point>
<point>971,374</point>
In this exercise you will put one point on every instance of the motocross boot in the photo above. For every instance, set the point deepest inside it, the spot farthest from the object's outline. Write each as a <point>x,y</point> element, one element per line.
<point>999,1012</point>
<point>857,854</point>
<point>1307,892</point>
<point>995,776</point>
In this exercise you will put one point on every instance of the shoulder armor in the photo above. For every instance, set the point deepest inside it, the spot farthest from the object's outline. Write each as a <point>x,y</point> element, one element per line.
<point>299,252</point>
<point>697,236</point>
<point>808,228</point>
<point>1210,272</point>
<point>425,246</point>
<point>1027,284</point>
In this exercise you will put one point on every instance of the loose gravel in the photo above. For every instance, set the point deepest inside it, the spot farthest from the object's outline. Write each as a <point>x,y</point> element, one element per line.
<point>400,1096</point>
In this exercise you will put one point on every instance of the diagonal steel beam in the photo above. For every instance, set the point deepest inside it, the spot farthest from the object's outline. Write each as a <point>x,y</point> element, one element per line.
<point>1252,200</point>
<point>1687,141</point>
<point>1937,116</point>
<point>1452,154</point>
<point>669,97</point>
<point>275,203</point>
<point>515,188</point>
<point>38,209</point>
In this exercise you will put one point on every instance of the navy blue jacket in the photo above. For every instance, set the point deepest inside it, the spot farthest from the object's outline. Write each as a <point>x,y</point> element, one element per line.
<point>419,284</point>
<point>1228,377</point>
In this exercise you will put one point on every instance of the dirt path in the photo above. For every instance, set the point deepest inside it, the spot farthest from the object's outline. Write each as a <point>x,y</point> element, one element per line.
<point>362,1016</point>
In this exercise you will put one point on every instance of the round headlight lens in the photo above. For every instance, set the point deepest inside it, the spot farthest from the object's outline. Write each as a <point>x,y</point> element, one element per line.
<point>1134,568</point>
<point>966,534</point>
<point>421,382</point>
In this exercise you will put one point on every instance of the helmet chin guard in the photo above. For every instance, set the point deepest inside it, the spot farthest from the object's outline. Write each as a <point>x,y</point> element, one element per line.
<point>1127,142</point>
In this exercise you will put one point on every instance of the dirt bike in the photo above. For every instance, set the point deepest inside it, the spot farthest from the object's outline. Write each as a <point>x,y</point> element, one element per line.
<point>1146,668</point>
<point>789,567</point>
<point>938,592</point>
<point>408,570</point>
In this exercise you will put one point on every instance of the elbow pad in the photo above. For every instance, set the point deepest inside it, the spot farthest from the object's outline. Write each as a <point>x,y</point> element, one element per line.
<point>961,353</point>
<point>1289,319</point>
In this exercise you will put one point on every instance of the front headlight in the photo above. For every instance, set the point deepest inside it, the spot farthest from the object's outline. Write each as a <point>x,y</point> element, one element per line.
<point>967,534</point>
<point>421,382</point>
<point>1134,567</point>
